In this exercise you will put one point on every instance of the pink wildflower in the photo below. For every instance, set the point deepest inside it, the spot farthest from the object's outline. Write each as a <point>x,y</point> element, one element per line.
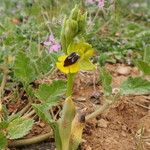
<point>52,44</point>
<point>100,3</point>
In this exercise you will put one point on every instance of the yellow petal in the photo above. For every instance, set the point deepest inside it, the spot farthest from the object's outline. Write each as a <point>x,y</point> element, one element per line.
<point>74,68</point>
<point>62,58</point>
<point>61,67</point>
<point>89,53</point>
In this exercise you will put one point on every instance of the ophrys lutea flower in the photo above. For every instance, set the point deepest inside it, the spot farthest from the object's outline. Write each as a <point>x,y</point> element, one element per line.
<point>68,64</point>
<point>78,58</point>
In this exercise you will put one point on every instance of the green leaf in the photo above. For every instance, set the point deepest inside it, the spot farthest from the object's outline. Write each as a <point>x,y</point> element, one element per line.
<point>4,124</point>
<point>23,68</point>
<point>147,54</point>
<point>44,64</point>
<point>51,93</point>
<point>86,64</point>
<point>42,112</point>
<point>19,128</point>
<point>106,79</point>
<point>13,117</point>
<point>102,59</point>
<point>144,67</point>
<point>135,86</point>
<point>3,141</point>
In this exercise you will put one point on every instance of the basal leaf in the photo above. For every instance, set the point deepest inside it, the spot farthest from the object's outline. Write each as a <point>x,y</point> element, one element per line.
<point>19,128</point>
<point>23,68</point>
<point>3,141</point>
<point>106,80</point>
<point>42,112</point>
<point>135,86</point>
<point>50,93</point>
<point>144,67</point>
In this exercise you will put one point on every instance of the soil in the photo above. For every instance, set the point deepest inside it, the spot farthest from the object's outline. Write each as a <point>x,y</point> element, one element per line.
<point>125,126</point>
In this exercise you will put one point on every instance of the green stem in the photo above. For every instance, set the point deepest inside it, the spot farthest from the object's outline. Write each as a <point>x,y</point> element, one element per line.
<point>70,84</point>
<point>33,140</point>
<point>2,86</point>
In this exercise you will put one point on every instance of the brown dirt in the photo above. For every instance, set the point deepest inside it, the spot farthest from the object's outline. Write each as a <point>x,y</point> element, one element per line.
<point>118,128</point>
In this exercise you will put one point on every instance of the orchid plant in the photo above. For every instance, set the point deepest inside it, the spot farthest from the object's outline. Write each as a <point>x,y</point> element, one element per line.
<point>68,123</point>
<point>76,56</point>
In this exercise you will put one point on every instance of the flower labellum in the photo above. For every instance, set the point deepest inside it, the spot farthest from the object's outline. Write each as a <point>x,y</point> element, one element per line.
<point>71,59</point>
<point>68,63</point>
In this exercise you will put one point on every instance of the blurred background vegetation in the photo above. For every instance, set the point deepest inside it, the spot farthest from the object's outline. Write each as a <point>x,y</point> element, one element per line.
<point>121,31</point>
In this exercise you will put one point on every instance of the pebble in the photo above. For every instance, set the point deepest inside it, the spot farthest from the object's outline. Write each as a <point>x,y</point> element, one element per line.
<point>124,127</point>
<point>102,123</point>
<point>123,70</point>
<point>123,134</point>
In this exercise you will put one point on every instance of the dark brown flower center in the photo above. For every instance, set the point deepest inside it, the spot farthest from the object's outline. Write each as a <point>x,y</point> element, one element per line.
<point>71,59</point>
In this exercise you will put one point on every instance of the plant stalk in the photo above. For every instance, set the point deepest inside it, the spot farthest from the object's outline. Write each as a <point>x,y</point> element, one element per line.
<point>106,106</point>
<point>70,84</point>
<point>3,83</point>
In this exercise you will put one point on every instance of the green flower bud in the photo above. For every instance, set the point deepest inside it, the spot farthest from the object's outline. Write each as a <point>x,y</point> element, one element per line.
<point>62,37</point>
<point>82,23</point>
<point>74,13</point>
<point>71,31</point>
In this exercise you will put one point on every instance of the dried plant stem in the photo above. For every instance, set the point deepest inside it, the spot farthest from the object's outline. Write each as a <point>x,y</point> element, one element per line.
<point>30,141</point>
<point>103,108</point>
<point>28,115</point>
<point>3,83</point>
<point>25,109</point>
<point>98,111</point>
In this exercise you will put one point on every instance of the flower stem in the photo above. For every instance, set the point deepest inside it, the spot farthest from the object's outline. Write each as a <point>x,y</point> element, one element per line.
<point>2,86</point>
<point>70,84</point>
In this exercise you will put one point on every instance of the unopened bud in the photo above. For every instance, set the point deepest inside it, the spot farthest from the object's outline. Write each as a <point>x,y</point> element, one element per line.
<point>74,13</point>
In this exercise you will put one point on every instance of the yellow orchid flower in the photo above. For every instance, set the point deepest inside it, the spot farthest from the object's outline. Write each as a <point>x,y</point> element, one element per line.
<point>77,58</point>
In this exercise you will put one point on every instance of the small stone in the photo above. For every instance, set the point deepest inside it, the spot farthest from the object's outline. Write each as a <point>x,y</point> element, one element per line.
<point>41,124</point>
<point>81,99</point>
<point>123,70</point>
<point>123,134</point>
<point>102,123</point>
<point>124,128</point>
<point>88,148</point>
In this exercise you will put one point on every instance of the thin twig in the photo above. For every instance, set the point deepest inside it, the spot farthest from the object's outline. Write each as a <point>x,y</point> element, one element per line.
<point>98,111</point>
<point>31,113</point>
<point>25,109</point>
<point>3,83</point>
<point>134,103</point>
<point>103,108</point>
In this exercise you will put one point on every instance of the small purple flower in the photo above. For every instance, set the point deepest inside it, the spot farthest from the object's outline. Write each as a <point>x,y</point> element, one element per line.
<point>52,44</point>
<point>100,3</point>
